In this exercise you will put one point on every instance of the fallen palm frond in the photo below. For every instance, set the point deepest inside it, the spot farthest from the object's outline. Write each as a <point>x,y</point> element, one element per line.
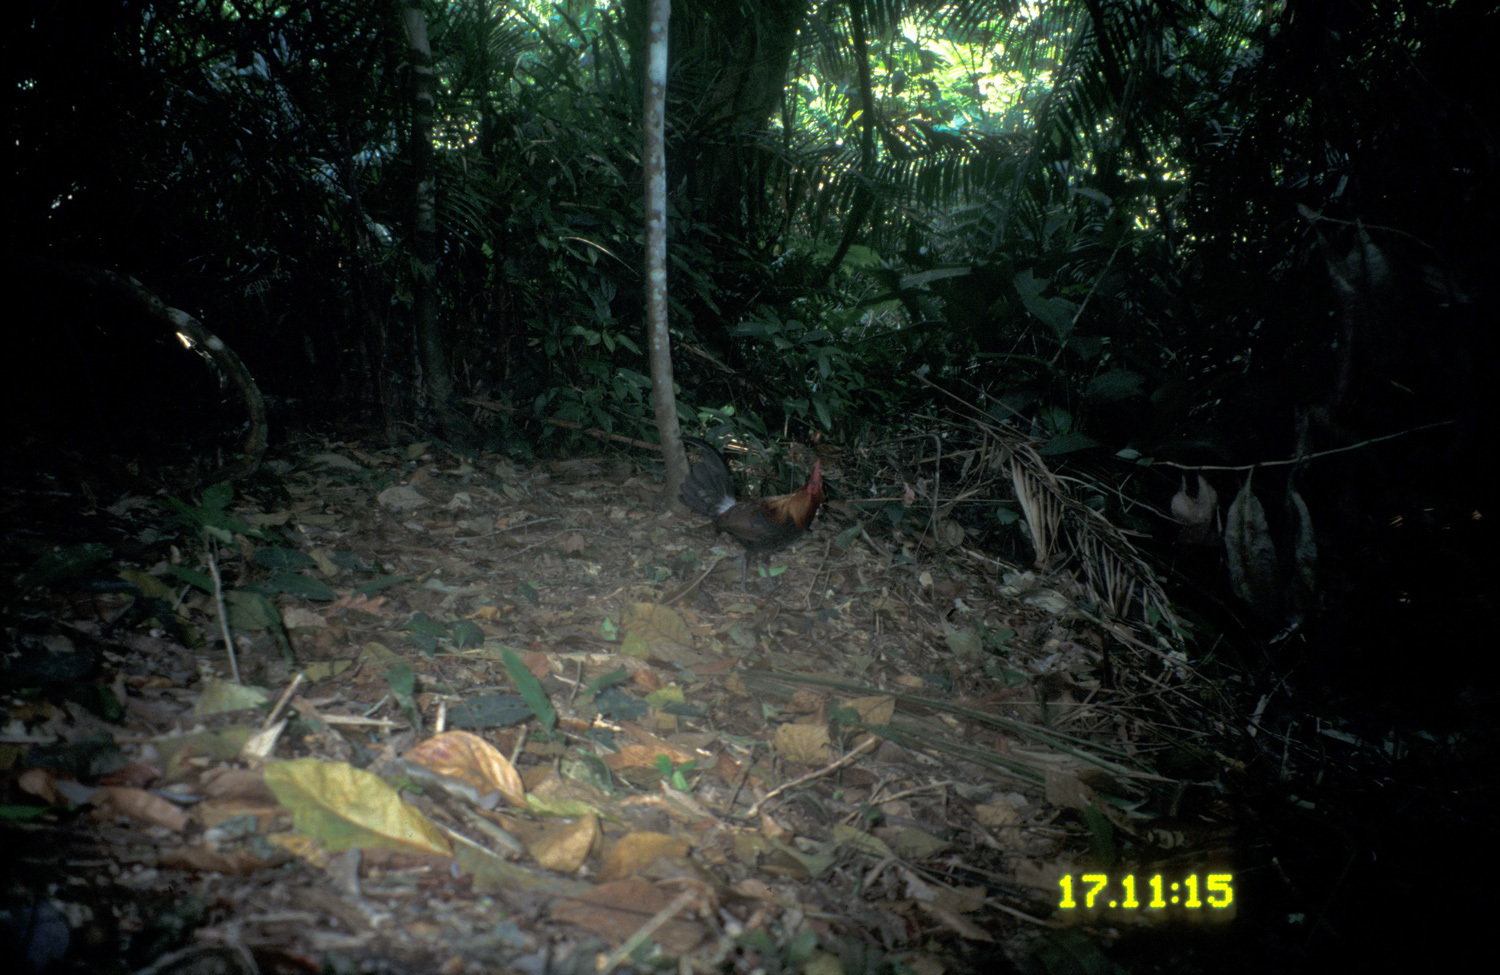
<point>1115,575</point>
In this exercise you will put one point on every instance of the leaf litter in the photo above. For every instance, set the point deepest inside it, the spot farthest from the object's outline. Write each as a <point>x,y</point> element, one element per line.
<point>492,718</point>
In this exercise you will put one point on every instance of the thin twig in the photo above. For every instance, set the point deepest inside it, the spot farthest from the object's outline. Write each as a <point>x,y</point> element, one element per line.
<point>867,745</point>
<point>937,483</point>
<point>525,524</point>
<point>285,696</point>
<point>613,959</point>
<point>213,570</point>
<point>692,585</point>
<point>1313,456</point>
<point>741,778</point>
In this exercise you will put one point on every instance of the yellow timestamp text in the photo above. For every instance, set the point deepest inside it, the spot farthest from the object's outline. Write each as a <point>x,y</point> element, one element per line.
<point>1091,891</point>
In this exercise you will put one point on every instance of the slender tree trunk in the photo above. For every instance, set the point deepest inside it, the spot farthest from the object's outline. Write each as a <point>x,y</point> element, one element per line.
<point>863,197</point>
<point>432,353</point>
<point>663,397</point>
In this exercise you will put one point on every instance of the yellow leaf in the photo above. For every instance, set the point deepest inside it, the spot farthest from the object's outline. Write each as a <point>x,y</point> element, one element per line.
<point>148,584</point>
<point>563,808</point>
<point>221,696</point>
<point>378,658</point>
<point>324,669</point>
<point>344,807</point>
<point>660,698</point>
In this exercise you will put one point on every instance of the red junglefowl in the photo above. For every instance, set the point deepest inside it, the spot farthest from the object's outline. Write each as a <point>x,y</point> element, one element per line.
<point>761,525</point>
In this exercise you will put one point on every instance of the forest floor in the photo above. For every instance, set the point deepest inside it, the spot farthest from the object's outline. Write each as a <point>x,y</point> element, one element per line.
<point>485,717</point>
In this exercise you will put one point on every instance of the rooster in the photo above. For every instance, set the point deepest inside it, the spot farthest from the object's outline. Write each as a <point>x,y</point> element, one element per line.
<point>761,525</point>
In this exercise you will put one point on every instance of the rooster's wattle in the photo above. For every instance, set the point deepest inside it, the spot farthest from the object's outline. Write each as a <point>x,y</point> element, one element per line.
<point>761,525</point>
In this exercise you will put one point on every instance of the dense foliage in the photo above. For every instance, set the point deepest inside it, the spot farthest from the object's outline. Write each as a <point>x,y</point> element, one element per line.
<point>1106,219</point>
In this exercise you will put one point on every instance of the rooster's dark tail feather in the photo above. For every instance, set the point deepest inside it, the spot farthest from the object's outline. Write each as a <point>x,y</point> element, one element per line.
<point>708,488</point>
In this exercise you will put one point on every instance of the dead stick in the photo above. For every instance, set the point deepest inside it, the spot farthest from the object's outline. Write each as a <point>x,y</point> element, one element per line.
<point>864,746</point>
<point>213,569</point>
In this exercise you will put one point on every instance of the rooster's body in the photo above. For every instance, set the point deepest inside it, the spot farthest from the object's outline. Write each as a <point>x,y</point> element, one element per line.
<point>761,525</point>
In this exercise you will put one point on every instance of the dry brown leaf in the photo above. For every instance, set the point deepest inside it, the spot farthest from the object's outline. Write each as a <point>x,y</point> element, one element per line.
<point>727,768</point>
<point>652,626</point>
<point>364,604</point>
<point>1042,875</point>
<point>637,851</point>
<point>40,783</point>
<point>807,702</point>
<point>950,534</point>
<point>646,677</point>
<point>618,909</point>
<point>717,667</point>
<point>957,923</point>
<point>136,774</point>
<point>755,889</point>
<point>806,744</point>
<point>296,617</point>
<point>469,758</point>
<point>646,737</point>
<point>301,846</point>
<point>236,783</point>
<point>996,815</point>
<point>541,779</point>
<point>142,805</point>
<point>563,844</point>
<point>960,900</point>
<point>877,710</point>
<point>773,830</point>
<point>644,756</point>
<point>207,860</point>
<point>1064,788</point>
<point>212,812</point>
